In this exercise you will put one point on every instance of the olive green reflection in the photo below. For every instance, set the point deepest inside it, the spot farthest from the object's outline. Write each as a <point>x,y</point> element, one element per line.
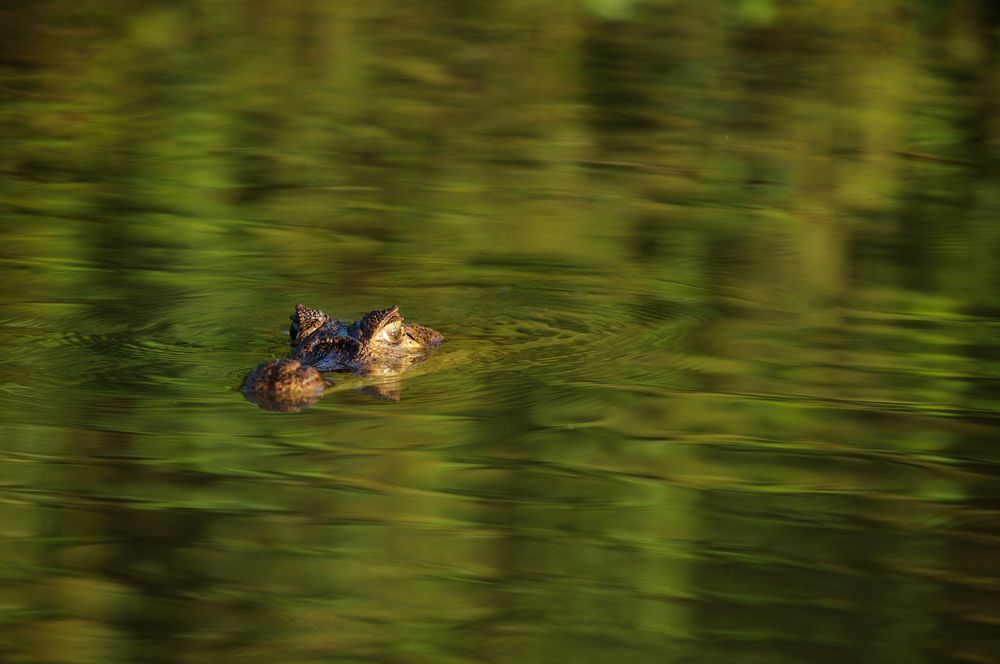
<point>719,283</point>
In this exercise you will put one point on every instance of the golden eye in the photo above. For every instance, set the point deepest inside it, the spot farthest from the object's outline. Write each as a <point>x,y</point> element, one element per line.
<point>391,332</point>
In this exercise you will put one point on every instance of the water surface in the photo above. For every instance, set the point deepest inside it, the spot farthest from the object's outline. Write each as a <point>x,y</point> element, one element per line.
<point>719,286</point>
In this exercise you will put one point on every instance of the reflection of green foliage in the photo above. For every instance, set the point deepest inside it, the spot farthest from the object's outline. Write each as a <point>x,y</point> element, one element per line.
<point>719,281</point>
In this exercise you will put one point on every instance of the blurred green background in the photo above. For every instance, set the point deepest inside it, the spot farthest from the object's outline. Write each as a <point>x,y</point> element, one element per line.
<point>721,289</point>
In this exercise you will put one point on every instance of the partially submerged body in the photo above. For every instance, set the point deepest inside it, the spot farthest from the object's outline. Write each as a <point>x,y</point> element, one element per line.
<point>284,385</point>
<point>379,343</point>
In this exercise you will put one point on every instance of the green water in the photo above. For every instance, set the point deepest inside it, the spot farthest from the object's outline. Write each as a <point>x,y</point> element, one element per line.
<point>719,283</point>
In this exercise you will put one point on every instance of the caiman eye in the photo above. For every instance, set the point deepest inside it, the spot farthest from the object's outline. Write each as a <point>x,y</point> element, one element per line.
<point>391,332</point>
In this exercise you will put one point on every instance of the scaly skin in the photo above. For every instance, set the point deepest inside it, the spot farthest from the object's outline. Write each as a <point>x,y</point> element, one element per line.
<point>379,343</point>
<point>284,385</point>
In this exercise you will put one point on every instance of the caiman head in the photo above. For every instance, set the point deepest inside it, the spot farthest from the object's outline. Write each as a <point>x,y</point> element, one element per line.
<point>380,345</point>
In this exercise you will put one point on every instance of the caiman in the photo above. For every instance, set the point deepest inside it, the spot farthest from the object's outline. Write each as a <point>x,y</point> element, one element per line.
<point>379,343</point>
